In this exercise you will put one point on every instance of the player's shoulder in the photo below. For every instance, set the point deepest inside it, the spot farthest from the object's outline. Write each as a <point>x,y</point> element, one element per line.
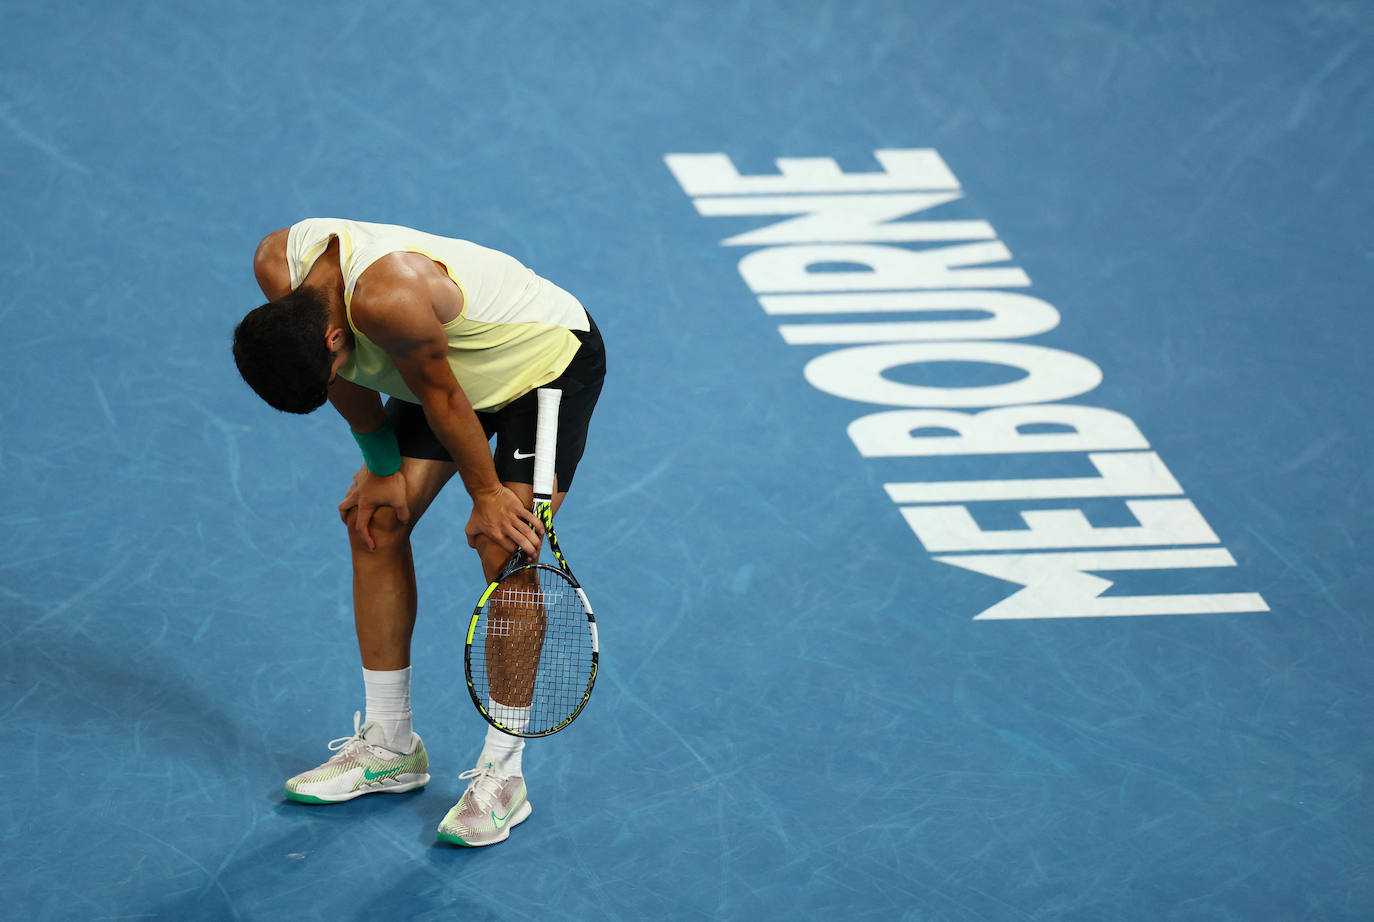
<point>269,264</point>
<point>391,279</point>
<point>400,266</point>
<point>393,295</point>
<point>273,244</point>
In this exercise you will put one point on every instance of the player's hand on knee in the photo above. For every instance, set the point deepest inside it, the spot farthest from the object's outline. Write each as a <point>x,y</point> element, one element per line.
<point>500,516</point>
<point>370,493</point>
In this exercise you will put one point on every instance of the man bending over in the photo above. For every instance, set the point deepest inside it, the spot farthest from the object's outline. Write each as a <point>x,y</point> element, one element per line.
<point>458,337</point>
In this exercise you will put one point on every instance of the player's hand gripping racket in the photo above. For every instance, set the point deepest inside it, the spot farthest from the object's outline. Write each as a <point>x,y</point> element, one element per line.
<point>531,653</point>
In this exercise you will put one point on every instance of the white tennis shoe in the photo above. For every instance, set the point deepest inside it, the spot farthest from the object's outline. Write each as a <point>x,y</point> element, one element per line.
<point>487,810</point>
<point>362,765</point>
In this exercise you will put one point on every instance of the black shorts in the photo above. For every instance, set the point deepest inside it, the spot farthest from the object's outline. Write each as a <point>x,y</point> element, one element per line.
<point>514,424</point>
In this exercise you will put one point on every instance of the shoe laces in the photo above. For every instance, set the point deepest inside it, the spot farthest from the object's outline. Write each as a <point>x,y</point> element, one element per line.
<point>486,786</point>
<point>347,746</point>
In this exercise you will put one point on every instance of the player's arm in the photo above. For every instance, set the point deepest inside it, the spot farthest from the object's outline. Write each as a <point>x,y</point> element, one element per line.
<point>362,408</point>
<point>269,265</point>
<point>397,314</point>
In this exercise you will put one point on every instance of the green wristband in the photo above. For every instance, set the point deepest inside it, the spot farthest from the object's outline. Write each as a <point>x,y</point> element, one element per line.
<point>381,454</point>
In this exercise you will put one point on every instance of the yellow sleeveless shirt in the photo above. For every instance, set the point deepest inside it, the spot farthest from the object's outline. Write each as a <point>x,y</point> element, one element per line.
<point>514,332</point>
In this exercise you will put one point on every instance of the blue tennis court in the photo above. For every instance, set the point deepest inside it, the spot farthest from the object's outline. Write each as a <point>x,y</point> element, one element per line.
<point>976,513</point>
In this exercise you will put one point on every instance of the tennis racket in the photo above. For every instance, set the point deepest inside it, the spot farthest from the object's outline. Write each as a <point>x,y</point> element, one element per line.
<point>531,652</point>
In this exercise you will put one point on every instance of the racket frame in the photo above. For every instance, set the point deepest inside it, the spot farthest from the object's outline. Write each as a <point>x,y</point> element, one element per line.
<point>546,437</point>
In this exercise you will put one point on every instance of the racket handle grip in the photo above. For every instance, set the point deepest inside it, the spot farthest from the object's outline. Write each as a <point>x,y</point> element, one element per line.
<point>546,442</point>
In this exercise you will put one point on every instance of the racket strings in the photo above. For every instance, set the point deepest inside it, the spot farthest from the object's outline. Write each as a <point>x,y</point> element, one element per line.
<point>534,648</point>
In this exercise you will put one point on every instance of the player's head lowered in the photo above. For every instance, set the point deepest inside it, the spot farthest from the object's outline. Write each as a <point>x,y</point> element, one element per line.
<point>282,351</point>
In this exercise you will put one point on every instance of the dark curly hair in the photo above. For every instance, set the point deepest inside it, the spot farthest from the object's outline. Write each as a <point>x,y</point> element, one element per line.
<point>281,352</point>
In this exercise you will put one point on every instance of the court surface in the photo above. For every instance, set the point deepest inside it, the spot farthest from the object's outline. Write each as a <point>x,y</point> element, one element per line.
<point>800,713</point>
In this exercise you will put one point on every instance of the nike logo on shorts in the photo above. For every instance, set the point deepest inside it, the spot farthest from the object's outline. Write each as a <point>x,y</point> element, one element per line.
<point>521,456</point>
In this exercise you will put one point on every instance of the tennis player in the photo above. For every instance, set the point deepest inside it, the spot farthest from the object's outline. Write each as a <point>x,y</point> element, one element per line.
<point>458,337</point>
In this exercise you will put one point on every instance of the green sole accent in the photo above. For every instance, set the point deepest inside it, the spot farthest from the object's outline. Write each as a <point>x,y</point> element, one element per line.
<point>454,840</point>
<point>308,799</point>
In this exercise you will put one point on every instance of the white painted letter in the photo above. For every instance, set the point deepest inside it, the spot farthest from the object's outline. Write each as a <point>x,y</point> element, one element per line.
<point>1162,522</point>
<point>857,374</point>
<point>715,174</point>
<point>1126,473</point>
<point>1059,586</point>
<point>896,433</point>
<point>787,268</point>
<point>1010,316</point>
<point>844,218</point>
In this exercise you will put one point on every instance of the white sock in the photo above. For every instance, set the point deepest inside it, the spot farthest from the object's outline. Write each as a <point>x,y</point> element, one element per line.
<point>501,749</point>
<point>388,705</point>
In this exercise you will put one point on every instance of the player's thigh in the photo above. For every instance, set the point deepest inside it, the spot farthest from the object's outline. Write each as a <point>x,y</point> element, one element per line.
<point>424,477</point>
<point>515,425</point>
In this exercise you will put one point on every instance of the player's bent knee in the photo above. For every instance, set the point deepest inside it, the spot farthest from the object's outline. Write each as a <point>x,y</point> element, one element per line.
<point>386,528</point>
